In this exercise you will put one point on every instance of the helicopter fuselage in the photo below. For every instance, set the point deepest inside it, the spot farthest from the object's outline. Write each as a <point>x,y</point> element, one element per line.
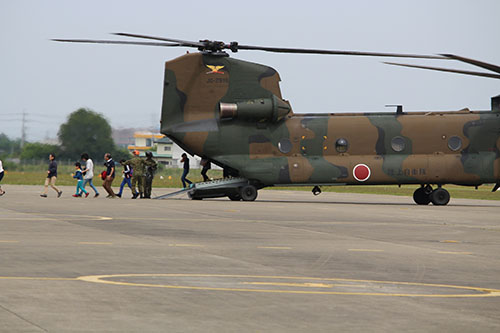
<point>232,112</point>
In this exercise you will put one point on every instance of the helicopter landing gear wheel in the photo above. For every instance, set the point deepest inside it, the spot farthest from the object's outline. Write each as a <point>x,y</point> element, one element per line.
<point>248,193</point>
<point>421,196</point>
<point>234,197</point>
<point>440,197</point>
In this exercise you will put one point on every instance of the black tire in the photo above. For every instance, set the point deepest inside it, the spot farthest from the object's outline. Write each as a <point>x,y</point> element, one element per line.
<point>421,196</point>
<point>440,197</point>
<point>248,193</point>
<point>234,197</point>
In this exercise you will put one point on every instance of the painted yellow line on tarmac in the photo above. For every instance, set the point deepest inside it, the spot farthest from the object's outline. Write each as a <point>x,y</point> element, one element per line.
<point>275,247</point>
<point>451,252</point>
<point>283,284</point>
<point>95,243</point>
<point>479,292</point>
<point>43,217</point>
<point>186,245</point>
<point>9,241</point>
<point>449,241</point>
<point>365,250</point>
<point>36,278</point>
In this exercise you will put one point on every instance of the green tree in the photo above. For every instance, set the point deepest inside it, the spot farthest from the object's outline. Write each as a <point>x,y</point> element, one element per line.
<point>38,151</point>
<point>9,147</point>
<point>86,131</point>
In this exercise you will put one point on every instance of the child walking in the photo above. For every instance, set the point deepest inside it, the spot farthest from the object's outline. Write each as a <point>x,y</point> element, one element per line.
<point>79,185</point>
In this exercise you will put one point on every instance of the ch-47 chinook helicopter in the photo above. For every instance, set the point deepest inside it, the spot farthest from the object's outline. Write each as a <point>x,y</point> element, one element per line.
<point>232,112</point>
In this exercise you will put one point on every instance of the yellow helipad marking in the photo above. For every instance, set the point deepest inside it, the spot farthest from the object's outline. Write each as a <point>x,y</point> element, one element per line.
<point>449,241</point>
<point>451,252</point>
<point>186,245</point>
<point>307,284</point>
<point>9,241</point>
<point>275,247</point>
<point>365,250</point>
<point>479,292</point>
<point>95,243</point>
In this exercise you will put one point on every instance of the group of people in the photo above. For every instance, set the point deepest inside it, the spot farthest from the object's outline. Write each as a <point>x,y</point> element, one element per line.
<point>137,172</point>
<point>138,175</point>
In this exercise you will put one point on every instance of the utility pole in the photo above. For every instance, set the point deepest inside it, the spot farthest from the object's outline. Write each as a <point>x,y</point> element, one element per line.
<point>23,129</point>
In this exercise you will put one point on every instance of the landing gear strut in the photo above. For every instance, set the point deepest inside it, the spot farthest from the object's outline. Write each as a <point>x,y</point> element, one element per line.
<point>316,190</point>
<point>425,195</point>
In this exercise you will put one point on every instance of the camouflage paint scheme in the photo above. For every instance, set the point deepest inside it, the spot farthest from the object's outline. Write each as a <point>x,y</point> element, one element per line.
<point>196,84</point>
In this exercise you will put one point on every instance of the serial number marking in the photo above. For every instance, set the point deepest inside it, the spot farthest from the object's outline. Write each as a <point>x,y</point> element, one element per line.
<point>218,80</point>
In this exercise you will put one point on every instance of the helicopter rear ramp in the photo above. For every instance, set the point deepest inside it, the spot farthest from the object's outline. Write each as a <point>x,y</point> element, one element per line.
<point>211,189</point>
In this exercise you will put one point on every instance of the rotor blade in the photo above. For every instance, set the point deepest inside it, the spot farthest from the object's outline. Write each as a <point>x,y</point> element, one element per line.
<point>485,65</point>
<point>114,42</point>
<point>337,52</point>
<point>494,76</point>
<point>177,41</point>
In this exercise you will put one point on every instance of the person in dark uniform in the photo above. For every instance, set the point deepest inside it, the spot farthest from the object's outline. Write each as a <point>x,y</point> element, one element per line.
<point>205,163</point>
<point>151,167</point>
<point>184,180</point>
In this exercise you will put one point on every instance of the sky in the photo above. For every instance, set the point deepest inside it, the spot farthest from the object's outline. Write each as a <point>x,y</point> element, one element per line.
<point>48,80</point>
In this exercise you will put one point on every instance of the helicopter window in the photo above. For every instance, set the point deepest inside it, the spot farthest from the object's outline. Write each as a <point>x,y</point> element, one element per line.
<point>285,146</point>
<point>455,143</point>
<point>398,144</point>
<point>341,145</point>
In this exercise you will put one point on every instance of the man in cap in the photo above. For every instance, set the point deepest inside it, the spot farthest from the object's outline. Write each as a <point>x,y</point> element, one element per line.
<point>137,165</point>
<point>151,167</point>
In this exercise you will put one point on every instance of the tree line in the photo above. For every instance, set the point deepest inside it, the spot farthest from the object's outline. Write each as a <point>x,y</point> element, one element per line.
<point>85,131</point>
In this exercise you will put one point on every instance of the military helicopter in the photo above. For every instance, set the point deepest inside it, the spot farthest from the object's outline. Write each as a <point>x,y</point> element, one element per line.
<point>232,113</point>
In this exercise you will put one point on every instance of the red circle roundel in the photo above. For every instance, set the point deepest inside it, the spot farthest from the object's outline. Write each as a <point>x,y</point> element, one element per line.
<point>361,172</point>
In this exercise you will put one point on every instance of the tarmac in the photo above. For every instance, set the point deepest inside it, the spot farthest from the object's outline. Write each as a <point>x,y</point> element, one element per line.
<point>288,262</point>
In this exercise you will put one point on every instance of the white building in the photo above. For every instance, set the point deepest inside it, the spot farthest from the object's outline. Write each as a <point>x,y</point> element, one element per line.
<point>164,150</point>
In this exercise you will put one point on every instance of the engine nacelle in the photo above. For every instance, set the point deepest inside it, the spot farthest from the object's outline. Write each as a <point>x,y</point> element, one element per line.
<point>262,109</point>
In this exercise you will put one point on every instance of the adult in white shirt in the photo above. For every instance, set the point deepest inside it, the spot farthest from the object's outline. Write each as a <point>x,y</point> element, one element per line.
<point>89,173</point>
<point>2,192</point>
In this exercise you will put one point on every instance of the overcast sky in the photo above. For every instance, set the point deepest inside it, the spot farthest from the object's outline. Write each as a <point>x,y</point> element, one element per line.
<point>49,80</point>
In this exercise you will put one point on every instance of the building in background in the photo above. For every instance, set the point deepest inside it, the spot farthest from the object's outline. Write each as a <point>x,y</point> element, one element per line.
<point>164,150</point>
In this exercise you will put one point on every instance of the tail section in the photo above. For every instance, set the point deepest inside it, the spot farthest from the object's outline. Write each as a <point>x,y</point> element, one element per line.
<point>196,84</point>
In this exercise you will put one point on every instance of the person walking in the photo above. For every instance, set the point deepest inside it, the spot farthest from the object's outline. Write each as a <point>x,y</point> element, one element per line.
<point>127,175</point>
<point>184,180</point>
<point>2,192</point>
<point>51,177</point>
<point>205,163</point>
<point>88,172</point>
<point>78,175</point>
<point>137,165</point>
<point>151,167</point>
<point>110,175</point>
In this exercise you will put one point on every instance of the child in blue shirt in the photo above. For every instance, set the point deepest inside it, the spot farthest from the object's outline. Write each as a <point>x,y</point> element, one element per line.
<point>79,185</point>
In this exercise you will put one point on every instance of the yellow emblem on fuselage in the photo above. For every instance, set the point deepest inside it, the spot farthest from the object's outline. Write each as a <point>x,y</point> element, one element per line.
<point>215,69</point>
